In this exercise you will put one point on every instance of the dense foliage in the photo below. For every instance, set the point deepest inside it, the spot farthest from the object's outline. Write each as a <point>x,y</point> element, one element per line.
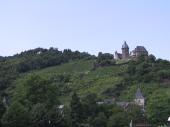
<point>104,59</point>
<point>154,75</point>
<point>149,70</point>
<point>52,88</point>
<point>41,58</point>
<point>11,67</point>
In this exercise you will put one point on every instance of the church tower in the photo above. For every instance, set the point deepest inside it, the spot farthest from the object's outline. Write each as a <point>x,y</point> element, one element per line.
<point>139,99</point>
<point>125,51</point>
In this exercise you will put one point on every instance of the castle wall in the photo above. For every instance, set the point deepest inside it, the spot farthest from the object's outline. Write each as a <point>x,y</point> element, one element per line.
<point>125,53</point>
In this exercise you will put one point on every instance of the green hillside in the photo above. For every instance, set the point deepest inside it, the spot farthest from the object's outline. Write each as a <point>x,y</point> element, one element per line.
<point>80,77</point>
<point>34,85</point>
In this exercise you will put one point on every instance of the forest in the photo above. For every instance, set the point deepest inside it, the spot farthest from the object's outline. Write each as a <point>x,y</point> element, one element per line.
<point>52,88</point>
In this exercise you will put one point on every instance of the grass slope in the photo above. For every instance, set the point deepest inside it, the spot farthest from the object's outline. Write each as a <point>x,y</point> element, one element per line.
<point>83,80</point>
<point>81,77</point>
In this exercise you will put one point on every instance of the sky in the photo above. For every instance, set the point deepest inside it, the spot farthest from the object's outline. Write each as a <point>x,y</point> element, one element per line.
<point>86,25</point>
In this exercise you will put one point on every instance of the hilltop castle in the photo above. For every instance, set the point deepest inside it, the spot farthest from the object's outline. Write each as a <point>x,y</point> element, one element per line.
<point>138,51</point>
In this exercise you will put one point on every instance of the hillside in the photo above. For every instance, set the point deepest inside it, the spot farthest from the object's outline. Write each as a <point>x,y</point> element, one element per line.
<point>78,76</point>
<point>43,76</point>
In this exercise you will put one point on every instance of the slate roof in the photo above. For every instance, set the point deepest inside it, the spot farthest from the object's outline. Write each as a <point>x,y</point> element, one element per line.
<point>125,45</point>
<point>141,48</point>
<point>139,95</point>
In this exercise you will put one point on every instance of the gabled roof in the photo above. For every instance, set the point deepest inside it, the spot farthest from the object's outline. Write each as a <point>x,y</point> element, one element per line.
<point>139,95</point>
<point>125,45</point>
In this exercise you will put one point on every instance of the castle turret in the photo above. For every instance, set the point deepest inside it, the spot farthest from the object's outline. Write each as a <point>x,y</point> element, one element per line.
<point>125,51</point>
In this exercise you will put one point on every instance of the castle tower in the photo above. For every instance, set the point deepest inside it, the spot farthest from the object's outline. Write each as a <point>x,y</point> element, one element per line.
<point>125,51</point>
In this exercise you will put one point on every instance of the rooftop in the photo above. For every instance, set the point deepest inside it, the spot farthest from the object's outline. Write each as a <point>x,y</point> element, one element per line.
<point>125,45</point>
<point>140,48</point>
<point>139,95</point>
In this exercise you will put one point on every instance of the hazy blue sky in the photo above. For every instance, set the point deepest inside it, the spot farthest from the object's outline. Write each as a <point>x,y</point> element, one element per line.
<point>85,25</point>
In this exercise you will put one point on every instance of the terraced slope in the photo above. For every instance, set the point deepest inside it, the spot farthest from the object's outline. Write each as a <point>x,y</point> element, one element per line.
<point>78,76</point>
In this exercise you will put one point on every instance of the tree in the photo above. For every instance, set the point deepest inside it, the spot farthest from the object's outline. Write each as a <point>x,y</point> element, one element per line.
<point>151,58</point>
<point>39,115</point>
<point>42,116</point>
<point>40,90</point>
<point>158,109</point>
<point>118,120</point>
<point>105,59</point>
<point>136,113</point>
<point>36,98</point>
<point>2,110</point>
<point>76,111</point>
<point>100,120</point>
<point>89,105</point>
<point>16,116</point>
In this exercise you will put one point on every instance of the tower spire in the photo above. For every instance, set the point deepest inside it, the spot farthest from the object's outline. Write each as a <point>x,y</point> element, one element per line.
<point>125,51</point>
<point>125,45</point>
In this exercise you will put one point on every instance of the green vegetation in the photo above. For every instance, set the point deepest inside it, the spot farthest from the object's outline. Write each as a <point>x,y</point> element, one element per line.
<point>35,83</point>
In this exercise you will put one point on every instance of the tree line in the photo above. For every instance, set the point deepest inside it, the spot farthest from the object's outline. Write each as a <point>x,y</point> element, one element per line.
<point>35,103</point>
